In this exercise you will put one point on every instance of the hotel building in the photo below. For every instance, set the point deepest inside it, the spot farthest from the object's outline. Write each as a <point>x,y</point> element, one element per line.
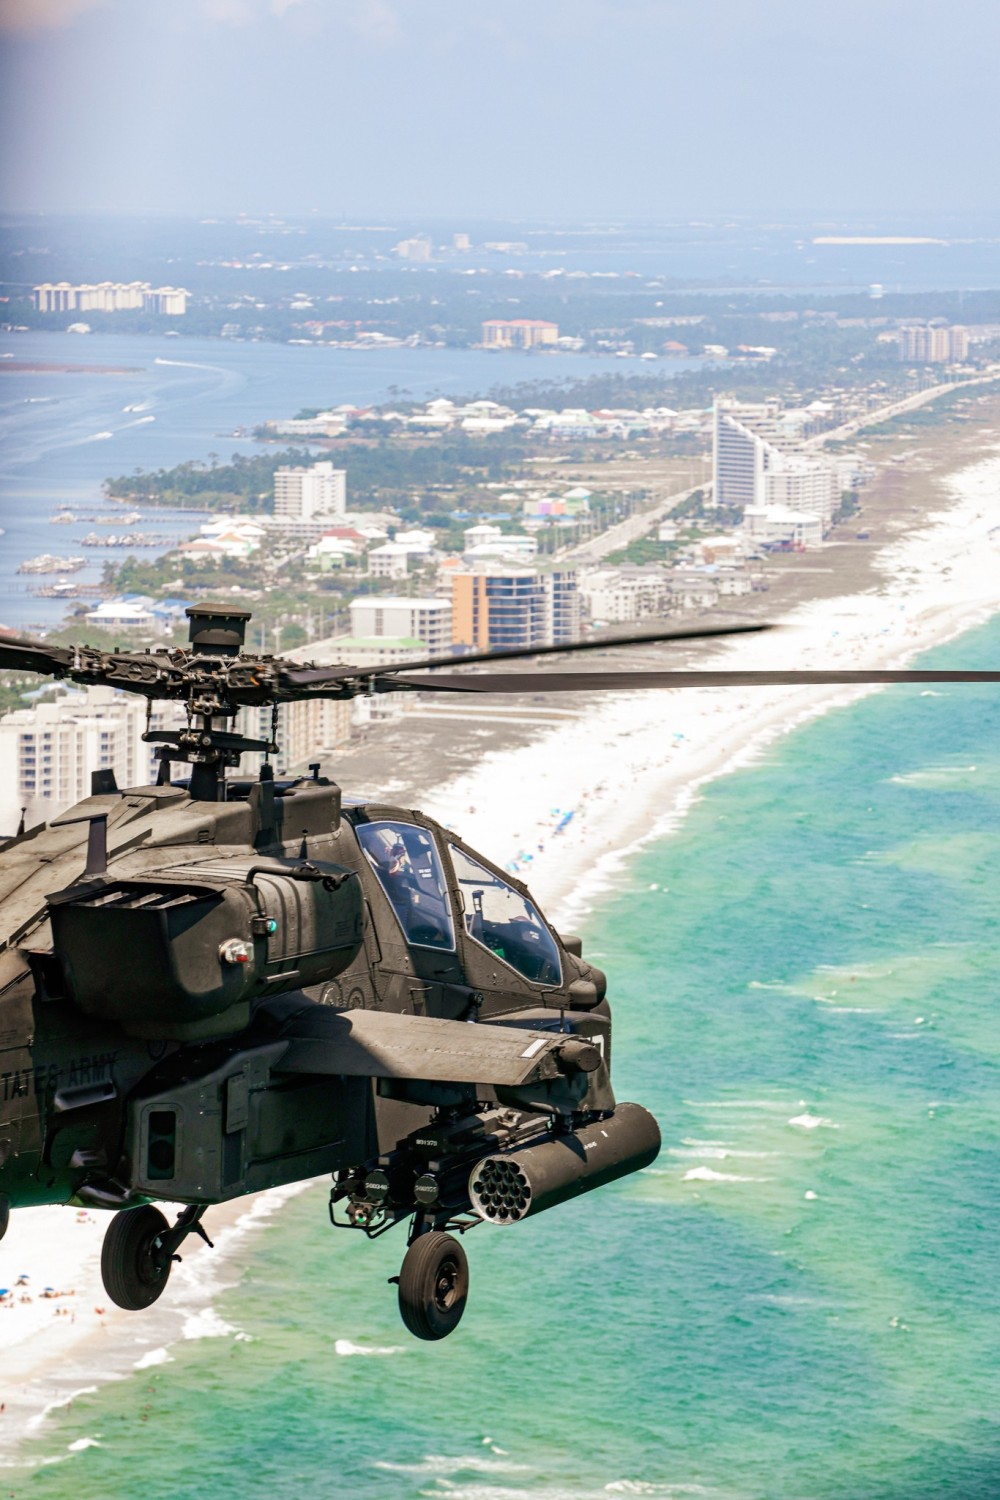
<point>302,493</point>
<point>519,333</point>
<point>759,461</point>
<point>111,296</point>
<point>496,608</point>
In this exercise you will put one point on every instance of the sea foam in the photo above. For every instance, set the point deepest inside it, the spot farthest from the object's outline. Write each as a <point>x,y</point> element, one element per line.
<point>154,1357</point>
<point>345,1347</point>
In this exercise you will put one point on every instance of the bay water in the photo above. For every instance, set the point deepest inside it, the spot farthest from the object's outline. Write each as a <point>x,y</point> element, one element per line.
<point>153,402</point>
<point>800,1300</point>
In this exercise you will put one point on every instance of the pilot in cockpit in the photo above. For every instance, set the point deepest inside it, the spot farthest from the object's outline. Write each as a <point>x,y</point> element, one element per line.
<point>397,861</point>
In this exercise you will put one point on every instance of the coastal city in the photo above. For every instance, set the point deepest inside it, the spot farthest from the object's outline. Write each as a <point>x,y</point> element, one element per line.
<point>373,534</point>
<point>499,732</point>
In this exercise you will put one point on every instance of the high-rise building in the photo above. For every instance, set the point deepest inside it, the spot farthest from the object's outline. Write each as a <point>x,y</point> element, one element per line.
<point>165,301</point>
<point>55,297</point>
<point>935,345</point>
<point>375,616</point>
<point>419,247</point>
<point>519,333</point>
<point>806,485</point>
<point>47,752</point>
<point>111,296</point>
<point>759,460</point>
<point>618,595</point>
<point>496,607</point>
<point>302,493</point>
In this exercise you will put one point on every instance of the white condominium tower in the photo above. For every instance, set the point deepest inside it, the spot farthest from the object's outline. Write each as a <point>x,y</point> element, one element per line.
<point>47,752</point>
<point>759,460</point>
<point>300,494</point>
<point>423,619</point>
<point>110,296</point>
<point>937,345</point>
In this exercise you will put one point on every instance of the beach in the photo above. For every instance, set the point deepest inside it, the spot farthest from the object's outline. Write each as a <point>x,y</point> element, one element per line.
<point>564,806</point>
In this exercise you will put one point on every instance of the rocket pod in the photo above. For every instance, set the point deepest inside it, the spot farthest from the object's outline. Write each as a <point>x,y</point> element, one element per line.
<point>503,1189</point>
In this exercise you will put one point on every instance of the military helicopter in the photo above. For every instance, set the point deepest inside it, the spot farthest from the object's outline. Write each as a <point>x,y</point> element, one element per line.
<point>217,984</point>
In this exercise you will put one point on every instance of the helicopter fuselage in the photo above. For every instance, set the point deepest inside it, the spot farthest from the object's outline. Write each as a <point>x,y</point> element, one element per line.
<point>149,1052</point>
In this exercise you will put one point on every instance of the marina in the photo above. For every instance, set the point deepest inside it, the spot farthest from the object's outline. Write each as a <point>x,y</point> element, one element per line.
<point>70,517</point>
<point>66,590</point>
<point>57,451</point>
<point>130,539</point>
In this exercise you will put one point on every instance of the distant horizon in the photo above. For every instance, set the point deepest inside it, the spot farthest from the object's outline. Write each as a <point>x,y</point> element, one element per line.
<point>903,225</point>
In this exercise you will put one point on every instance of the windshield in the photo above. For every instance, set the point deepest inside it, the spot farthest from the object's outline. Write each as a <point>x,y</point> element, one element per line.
<point>409,870</point>
<point>505,922</point>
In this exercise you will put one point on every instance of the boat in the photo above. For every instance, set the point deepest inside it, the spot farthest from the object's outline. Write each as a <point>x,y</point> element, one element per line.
<point>46,563</point>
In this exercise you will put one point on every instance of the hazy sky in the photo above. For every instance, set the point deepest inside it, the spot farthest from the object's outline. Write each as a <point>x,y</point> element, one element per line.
<point>554,108</point>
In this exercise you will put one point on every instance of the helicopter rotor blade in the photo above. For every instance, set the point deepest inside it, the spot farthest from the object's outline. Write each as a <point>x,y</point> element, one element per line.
<point>623,682</point>
<point>20,655</point>
<point>316,676</point>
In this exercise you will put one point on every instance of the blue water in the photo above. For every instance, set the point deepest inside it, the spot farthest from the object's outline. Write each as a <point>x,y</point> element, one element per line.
<point>805,988</point>
<point>62,435</point>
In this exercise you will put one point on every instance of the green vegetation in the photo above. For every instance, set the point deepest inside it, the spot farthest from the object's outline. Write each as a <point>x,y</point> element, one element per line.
<point>386,473</point>
<point>648,549</point>
<point>13,686</point>
<point>694,508</point>
<point>245,484</point>
<point>645,549</point>
<point>946,408</point>
<point>849,506</point>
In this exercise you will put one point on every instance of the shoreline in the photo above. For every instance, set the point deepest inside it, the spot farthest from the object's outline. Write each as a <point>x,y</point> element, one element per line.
<point>661,753</point>
<point>626,769</point>
<point>50,1357</point>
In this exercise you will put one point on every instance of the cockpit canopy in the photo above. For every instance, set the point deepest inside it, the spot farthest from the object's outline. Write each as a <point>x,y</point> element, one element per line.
<point>494,914</point>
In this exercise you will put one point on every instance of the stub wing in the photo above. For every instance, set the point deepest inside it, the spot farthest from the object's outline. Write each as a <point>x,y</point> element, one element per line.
<point>377,1044</point>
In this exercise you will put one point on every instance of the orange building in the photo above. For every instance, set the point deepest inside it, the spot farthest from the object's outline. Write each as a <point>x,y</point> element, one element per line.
<point>498,608</point>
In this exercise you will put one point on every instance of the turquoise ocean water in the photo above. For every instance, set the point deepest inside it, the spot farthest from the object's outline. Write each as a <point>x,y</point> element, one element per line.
<point>799,1301</point>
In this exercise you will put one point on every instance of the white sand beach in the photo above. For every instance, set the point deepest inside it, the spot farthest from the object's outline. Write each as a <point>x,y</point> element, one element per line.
<point>53,1347</point>
<point>629,768</point>
<point>564,811</point>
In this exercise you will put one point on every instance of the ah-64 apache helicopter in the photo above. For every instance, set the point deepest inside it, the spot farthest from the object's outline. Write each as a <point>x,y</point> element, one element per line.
<point>216,985</point>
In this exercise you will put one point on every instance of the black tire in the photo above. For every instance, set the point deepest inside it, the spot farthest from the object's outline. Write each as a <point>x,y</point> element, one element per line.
<point>133,1273</point>
<point>433,1286</point>
<point>4,1214</point>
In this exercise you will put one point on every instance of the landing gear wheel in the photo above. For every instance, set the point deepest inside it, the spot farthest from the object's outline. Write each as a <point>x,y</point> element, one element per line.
<point>433,1285</point>
<point>4,1214</point>
<point>133,1268</point>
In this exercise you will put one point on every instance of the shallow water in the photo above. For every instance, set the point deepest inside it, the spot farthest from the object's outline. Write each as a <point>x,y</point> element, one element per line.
<point>799,1301</point>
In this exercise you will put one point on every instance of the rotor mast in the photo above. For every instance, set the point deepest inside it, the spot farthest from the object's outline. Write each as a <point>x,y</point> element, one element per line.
<point>216,634</point>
